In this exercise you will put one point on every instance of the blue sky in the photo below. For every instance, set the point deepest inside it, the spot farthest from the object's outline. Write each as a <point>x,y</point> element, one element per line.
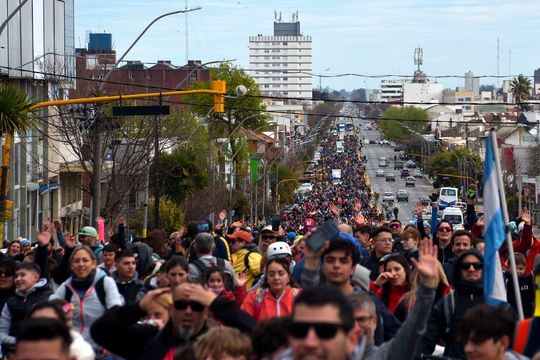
<point>375,37</point>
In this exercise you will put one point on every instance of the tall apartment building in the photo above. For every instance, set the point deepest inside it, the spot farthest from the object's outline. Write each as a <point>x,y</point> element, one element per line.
<point>37,50</point>
<point>536,88</point>
<point>281,64</point>
<point>472,84</point>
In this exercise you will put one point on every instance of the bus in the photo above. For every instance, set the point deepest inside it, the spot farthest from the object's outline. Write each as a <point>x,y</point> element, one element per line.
<point>448,196</point>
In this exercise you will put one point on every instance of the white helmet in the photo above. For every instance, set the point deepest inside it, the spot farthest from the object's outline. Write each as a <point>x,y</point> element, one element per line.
<point>278,249</point>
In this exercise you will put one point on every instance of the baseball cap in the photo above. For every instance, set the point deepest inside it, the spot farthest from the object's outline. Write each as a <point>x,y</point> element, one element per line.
<point>88,231</point>
<point>267,228</point>
<point>25,242</point>
<point>241,235</point>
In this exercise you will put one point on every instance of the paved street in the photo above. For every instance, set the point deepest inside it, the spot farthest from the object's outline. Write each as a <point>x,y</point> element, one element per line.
<point>380,185</point>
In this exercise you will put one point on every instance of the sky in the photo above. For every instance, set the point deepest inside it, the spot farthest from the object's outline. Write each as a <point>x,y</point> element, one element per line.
<point>366,38</point>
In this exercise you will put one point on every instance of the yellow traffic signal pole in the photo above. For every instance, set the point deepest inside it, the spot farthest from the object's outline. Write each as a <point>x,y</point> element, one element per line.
<point>218,89</point>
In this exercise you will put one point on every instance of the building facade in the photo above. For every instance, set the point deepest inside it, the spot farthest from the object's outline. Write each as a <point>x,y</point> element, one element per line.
<point>472,84</point>
<point>36,55</point>
<point>391,90</point>
<point>281,64</point>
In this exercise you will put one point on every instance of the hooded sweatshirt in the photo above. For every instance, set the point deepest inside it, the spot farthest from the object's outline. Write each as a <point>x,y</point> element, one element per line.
<point>466,295</point>
<point>88,307</point>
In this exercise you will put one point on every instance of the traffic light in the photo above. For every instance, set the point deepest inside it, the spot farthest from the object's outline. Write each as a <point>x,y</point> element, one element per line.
<point>219,99</point>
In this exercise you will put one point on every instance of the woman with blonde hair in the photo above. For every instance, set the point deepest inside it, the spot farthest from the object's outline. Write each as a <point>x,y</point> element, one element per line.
<point>223,343</point>
<point>408,299</point>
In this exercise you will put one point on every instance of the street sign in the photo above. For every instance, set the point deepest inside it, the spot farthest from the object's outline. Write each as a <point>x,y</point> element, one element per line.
<point>140,110</point>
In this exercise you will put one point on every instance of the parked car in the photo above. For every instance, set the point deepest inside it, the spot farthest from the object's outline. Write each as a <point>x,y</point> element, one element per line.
<point>398,165</point>
<point>402,195</point>
<point>379,173</point>
<point>405,173</point>
<point>390,177</point>
<point>410,181</point>
<point>417,173</point>
<point>388,196</point>
<point>382,163</point>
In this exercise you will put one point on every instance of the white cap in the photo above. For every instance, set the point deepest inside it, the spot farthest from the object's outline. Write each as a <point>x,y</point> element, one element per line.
<point>278,249</point>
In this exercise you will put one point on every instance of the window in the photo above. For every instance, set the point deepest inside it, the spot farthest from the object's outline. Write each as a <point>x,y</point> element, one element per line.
<point>284,43</point>
<point>266,86</point>
<point>193,77</point>
<point>132,76</point>
<point>285,78</point>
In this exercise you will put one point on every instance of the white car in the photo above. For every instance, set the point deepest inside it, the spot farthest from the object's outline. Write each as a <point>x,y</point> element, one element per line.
<point>388,196</point>
<point>379,173</point>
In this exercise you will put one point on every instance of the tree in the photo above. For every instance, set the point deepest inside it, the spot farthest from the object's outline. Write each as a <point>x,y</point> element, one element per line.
<point>397,123</point>
<point>521,89</point>
<point>15,116</point>
<point>455,164</point>
<point>247,111</point>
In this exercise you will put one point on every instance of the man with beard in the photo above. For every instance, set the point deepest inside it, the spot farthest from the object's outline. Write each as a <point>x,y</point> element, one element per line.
<point>118,329</point>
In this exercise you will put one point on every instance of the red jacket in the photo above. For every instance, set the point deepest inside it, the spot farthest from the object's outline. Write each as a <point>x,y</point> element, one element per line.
<point>261,304</point>
<point>396,292</point>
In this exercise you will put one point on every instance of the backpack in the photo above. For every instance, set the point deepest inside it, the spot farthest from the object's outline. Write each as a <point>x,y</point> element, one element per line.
<point>99,287</point>
<point>257,277</point>
<point>202,267</point>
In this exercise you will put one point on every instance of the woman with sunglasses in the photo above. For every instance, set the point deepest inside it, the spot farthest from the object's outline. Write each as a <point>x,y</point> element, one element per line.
<point>90,291</point>
<point>276,297</point>
<point>443,236</point>
<point>393,281</point>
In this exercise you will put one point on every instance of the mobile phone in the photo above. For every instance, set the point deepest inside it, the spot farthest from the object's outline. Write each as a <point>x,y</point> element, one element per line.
<point>327,231</point>
<point>276,221</point>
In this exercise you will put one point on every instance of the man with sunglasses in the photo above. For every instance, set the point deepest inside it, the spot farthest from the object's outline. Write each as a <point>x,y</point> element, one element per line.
<point>323,322</point>
<point>119,330</point>
<point>448,312</point>
<point>461,241</point>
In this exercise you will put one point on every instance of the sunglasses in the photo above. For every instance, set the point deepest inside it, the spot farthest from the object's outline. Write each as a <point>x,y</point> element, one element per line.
<point>183,305</point>
<point>445,229</point>
<point>467,265</point>
<point>268,237</point>
<point>6,274</point>
<point>395,226</point>
<point>324,331</point>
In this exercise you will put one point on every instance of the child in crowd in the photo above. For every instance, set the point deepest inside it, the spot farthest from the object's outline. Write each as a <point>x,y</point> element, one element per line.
<point>215,281</point>
<point>526,287</point>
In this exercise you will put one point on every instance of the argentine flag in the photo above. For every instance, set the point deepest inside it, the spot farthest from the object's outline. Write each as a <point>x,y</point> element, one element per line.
<point>494,237</point>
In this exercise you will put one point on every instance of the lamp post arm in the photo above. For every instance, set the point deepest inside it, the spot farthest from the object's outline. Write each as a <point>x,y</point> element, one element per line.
<point>102,85</point>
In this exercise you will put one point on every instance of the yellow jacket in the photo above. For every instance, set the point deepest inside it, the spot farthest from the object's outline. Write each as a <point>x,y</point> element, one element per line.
<point>253,261</point>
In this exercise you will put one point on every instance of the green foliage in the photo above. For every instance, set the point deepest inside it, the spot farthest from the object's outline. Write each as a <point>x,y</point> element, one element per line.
<point>185,169</point>
<point>237,109</point>
<point>533,168</point>
<point>521,89</point>
<point>447,163</point>
<point>396,122</point>
<point>171,217</point>
<point>279,172</point>
<point>14,110</point>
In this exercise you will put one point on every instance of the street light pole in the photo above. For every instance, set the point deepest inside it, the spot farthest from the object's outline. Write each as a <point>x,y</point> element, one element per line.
<point>98,143</point>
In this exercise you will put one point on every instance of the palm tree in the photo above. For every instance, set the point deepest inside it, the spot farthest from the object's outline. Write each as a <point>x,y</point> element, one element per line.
<point>521,89</point>
<point>15,115</point>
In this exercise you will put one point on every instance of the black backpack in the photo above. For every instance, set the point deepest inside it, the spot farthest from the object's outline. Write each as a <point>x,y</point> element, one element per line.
<point>203,268</point>
<point>99,287</point>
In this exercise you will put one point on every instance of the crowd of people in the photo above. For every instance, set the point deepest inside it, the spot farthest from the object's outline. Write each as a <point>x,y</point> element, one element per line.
<point>377,289</point>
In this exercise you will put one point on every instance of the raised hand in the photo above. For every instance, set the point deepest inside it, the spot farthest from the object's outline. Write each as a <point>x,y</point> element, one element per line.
<point>70,240</point>
<point>526,216</point>
<point>359,219</point>
<point>57,225</point>
<point>357,206</point>
<point>150,298</point>
<point>383,278</point>
<point>45,235</point>
<point>335,210</point>
<point>241,280</point>
<point>427,264</point>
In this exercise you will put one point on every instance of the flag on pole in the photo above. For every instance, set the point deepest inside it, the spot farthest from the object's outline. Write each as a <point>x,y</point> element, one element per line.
<point>494,237</point>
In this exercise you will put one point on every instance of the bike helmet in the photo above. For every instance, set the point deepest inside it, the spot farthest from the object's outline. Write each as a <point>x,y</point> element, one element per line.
<point>278,249</point>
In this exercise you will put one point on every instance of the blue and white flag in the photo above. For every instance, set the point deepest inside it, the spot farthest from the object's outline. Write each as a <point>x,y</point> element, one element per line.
<point>494,237</point>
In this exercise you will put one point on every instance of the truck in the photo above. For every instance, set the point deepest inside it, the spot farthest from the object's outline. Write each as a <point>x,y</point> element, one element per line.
<point>339,147</point>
